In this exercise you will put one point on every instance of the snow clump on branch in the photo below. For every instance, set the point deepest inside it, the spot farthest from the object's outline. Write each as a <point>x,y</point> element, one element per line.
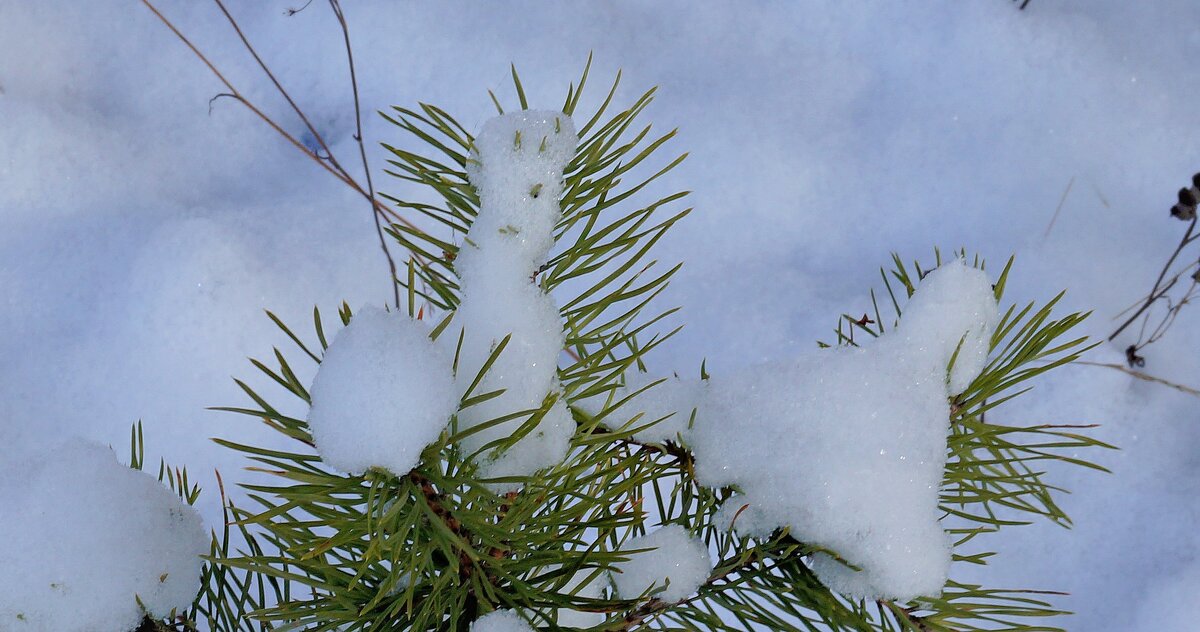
<point>500,621</point>
<point>847,446</point>
<point>517,168</point>
<point>676,562</point>
<point>383,392</point>
<point>666,405</point>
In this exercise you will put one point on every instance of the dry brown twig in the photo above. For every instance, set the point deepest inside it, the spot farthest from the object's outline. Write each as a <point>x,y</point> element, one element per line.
<point>1146,377</point>
<point>328,161</point>
<point>362,149</point>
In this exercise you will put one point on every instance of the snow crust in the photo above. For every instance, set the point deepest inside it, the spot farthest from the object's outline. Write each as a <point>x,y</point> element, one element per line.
<point>83,537</point>
<point>847,446</point>
<point>500,621</point>
<point>383,392</point>
<point>675,560</point>
<point>517,168</point>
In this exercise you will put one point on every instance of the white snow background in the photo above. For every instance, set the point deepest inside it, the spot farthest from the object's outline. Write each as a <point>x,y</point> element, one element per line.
<point>141,235</point>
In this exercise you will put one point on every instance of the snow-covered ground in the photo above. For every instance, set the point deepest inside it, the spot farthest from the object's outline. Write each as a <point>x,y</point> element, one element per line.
<point>141,234</point>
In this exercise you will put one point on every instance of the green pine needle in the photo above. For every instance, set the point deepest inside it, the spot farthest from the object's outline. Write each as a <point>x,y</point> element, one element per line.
<point>434,548</point>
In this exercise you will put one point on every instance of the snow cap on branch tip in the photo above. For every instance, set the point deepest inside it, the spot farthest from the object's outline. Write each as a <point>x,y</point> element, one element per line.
<point>383,392</point>
<point>952,315</point>
<point>847,446</point>
<point>517,167</point>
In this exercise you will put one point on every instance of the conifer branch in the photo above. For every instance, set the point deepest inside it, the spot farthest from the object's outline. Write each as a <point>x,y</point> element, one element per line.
<point>435,547</point>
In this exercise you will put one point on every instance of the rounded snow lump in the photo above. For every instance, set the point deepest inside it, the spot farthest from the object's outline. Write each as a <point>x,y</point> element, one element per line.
<point>383,392</point>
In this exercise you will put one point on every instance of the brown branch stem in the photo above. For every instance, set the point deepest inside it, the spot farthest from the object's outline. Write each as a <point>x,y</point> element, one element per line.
<point>1144,376</point>
<point>362,150</point>
<point>1159,290</point>
<point>327,162</point>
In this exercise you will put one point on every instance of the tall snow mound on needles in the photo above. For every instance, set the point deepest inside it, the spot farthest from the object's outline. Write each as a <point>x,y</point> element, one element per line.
<point>517,168</point>
<point>383,392</point>
<point>83,538</point>
<point>846,446</point>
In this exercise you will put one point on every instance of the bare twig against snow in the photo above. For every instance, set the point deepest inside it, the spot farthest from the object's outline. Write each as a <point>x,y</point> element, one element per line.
<point>1152,329</point>
<point>326,160</point>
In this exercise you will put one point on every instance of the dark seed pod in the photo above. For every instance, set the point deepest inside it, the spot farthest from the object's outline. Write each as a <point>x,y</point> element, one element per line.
<point>1132,357</point>
<point>1182,212</point>
<point>1196,180</point>
<point>1187,198</point>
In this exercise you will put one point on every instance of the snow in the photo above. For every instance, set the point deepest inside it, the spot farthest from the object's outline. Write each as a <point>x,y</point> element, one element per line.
<point>1171,603</point>
<point>580,586</point>
<point>500,621</point>
<point>951,299</point>
<point>517,168</point>
<point>83,538</point>
<point>846,446</point>
<point>675,561</point>
<point>666,403</point>
<point>383,392</point>
<point>141,235</point>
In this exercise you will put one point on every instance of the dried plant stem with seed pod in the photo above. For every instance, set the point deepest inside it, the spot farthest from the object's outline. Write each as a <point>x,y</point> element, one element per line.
<point>1174,288</point>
